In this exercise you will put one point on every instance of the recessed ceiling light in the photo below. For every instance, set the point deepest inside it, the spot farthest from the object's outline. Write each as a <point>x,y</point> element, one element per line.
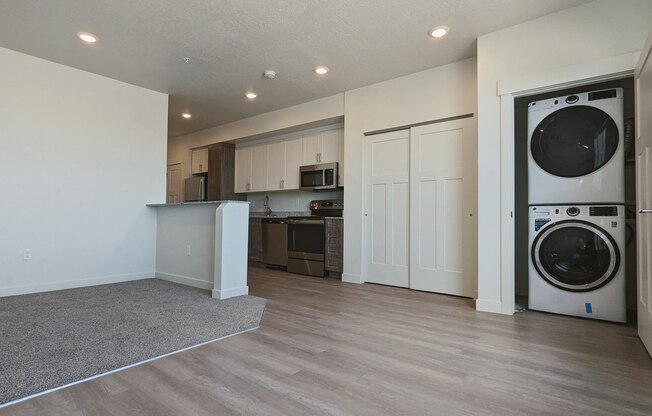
<point>269,74</point>
<point>87,37</point>
<point>251,95</point>
<point>439,31</point>
<point>186,115</point>
<point>321,70</point>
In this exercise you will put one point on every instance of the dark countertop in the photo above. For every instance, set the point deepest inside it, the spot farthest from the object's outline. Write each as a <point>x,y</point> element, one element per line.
<point>279,214</point>
<point>196,203</point>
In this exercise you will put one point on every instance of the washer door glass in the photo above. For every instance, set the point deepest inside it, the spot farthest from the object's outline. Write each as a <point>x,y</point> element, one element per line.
<point>574,141</point>
<point>575,256</point>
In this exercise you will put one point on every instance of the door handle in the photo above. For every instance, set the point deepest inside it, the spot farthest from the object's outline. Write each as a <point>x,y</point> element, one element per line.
<point>645,211</point>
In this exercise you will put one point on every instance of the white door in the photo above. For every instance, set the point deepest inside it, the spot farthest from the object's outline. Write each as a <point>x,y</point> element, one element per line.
<point>175,183</point>
<point>311,149</point>
<point>242,169</point>
<point>386,187</point>
<point>644,195</point>
<point>199,159</point>
<point>293,160</point>
<point>275,165</point>
<point>329,150</point>
<point>258,168</point>
<point>443,199</point>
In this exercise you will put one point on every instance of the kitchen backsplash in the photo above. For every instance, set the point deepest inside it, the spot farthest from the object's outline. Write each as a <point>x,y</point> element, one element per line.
<point>289,200</point>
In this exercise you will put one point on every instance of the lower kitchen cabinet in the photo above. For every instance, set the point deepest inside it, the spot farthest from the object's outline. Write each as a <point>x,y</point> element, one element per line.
<point>255,240</point>
<point>334,245</point>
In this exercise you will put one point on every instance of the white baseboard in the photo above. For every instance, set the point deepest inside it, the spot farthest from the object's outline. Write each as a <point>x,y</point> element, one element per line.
<point>185,280</point>
<point>71,284</point>
<point>352,278</point>
<point>230,293</point>
<point>492,306</point>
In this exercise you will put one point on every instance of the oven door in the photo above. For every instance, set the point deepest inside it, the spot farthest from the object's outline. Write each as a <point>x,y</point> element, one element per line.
<point>306,239</point>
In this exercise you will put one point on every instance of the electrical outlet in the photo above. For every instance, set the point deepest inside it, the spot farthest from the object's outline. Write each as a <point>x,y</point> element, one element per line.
<point>27,254</point>
<point>188,250</point>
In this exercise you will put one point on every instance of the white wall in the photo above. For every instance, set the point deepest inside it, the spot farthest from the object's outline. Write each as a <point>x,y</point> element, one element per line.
<point>590,32</point>
<point>177,228</point>
<point>440,92</point>
<point>80,155</point>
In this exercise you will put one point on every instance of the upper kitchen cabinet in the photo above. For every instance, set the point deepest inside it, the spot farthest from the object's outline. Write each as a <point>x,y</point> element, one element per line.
<point>221,159</point>
<point>283,161</point>
<point>322,147</point>
<point>251,169</point>
<point>199,161</point>
<point>293,161</point>
<point>275,166</point>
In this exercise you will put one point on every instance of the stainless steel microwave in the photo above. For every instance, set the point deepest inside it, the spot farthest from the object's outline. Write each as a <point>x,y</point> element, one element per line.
<point>318,177</point>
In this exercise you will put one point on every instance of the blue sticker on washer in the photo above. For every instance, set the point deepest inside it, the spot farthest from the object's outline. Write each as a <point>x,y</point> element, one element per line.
<point>540,222</point>
<point>589,308</point>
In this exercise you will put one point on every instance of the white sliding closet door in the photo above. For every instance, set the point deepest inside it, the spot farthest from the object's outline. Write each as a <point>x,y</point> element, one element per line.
<point>644,194</point>
<point>443,200</point>
<point>387,170</point>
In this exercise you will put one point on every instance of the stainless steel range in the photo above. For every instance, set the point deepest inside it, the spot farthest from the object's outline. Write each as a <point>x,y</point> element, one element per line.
<point>306,238</point>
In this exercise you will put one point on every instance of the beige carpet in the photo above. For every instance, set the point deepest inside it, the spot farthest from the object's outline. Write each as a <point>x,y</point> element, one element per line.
<point>52,339</point>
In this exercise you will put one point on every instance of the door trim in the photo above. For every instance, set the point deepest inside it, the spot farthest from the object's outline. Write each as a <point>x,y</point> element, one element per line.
<point>620,66</point>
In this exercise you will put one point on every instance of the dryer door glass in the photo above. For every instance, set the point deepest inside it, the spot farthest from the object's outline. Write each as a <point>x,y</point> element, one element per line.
<point>576,256</point>
<point>574,141</point>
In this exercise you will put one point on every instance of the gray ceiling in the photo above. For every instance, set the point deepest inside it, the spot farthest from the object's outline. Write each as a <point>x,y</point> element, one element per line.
<point>230,43</point>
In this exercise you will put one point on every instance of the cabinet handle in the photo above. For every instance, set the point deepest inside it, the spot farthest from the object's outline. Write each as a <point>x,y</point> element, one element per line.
<point>248,187</point>
<point>282,183</point>
<point>201,167</point>
<point>645,211</point>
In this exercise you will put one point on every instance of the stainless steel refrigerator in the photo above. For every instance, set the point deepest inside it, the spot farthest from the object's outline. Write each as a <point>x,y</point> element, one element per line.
<point>195,189</point>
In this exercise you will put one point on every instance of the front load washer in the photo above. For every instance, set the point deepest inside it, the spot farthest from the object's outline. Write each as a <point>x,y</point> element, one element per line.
<point>577,260</point>
<point>576,150</point>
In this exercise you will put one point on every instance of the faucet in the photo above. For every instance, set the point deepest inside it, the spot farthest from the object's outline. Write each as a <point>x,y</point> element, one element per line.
<point>268,210</point>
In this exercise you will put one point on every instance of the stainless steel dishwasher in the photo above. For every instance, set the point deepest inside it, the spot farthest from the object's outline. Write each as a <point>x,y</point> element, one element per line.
<point>275,241</point>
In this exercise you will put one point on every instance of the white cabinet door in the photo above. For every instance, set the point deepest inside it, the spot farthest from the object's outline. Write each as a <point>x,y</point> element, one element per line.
<point>199,161</point>
<point>386,187</point>
<point>311,149</point>
<point>275,166</point>
<point>258,168</point>
<point>175,184</point>
<point>329,149</point>
<point>644,195</point>
<point>293,160</point>
<point>443,199</point>
<point>242,169</point>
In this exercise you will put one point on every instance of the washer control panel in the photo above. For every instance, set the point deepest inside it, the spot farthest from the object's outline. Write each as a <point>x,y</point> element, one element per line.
<point>572,211</point>
<point>603,211</point>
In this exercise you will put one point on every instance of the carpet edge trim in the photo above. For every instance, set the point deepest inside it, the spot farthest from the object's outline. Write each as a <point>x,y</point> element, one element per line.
<point>3,405</point>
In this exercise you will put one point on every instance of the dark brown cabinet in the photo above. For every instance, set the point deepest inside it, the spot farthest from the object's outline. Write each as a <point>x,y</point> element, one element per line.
<point>221,173</point>
<point>255,240</point>
<point>334,245</point>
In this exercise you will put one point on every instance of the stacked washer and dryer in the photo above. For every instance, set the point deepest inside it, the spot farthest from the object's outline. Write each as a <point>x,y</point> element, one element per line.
<point>576,197</point>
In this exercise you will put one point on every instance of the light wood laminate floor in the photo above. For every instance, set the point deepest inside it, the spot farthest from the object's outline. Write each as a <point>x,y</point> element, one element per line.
<point>332,348</point>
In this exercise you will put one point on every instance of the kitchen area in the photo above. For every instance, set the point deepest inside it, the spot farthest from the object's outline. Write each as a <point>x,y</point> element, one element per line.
<point>294,187</point>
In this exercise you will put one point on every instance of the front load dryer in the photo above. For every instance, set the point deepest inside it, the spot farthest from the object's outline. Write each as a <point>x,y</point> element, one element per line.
<point>576,149</point>
<point>577,263</point>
